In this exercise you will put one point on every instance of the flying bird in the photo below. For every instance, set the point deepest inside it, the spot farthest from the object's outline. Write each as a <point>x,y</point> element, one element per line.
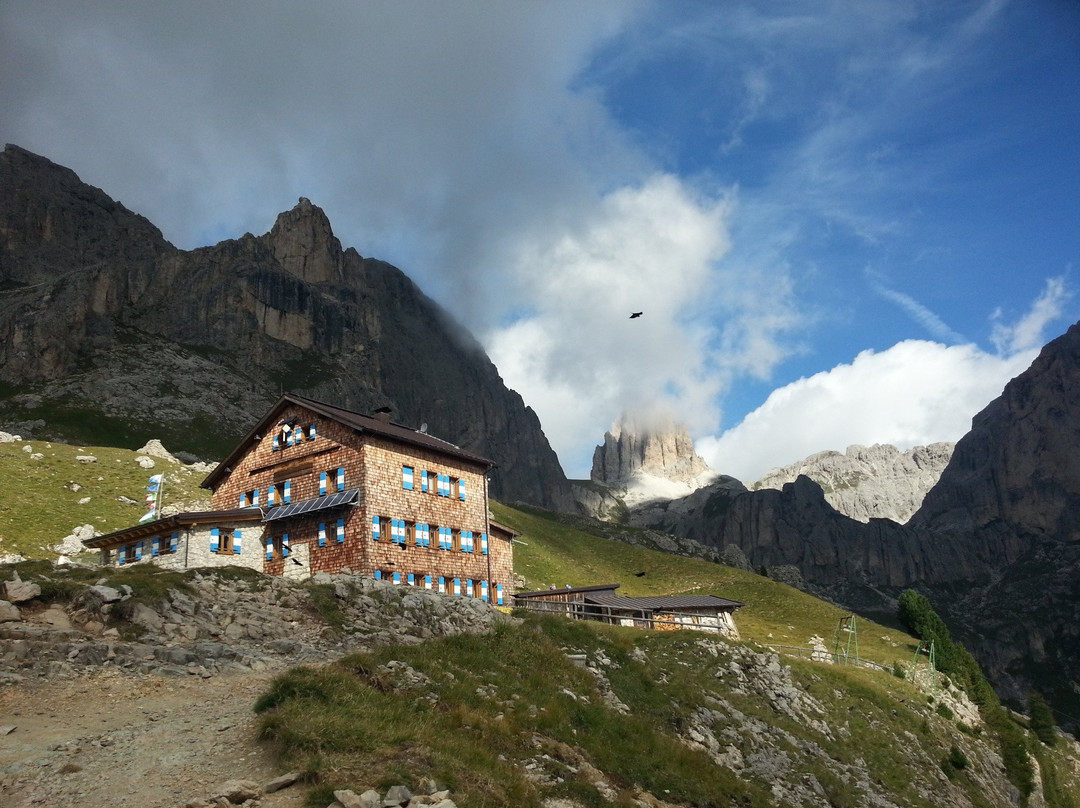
<point>636,314</point>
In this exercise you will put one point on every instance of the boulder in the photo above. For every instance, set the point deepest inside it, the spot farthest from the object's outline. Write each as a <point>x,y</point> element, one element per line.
<point>19,591</point>
<point>9,612</point>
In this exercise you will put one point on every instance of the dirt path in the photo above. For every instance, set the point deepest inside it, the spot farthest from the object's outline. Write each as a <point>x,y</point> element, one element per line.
<point>109,740</point>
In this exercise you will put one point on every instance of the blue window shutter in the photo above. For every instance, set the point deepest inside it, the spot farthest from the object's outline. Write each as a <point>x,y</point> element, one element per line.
<point>483,543</point>
<point>271,496</point>
<point>378,575</point>
<point>138,550</point>
<point>243,500</point>
<point>236,541</point>
<point>155,546</point>
<point>285,545</point>
<point>340,531</point>
<point>286,496</point>
<point>484,591</point>
<point>322,534</point>
<point>277,443</point>
<point>499,593</point>
<point>255,498</point>
<point>423,481</point>
<point>269,548</point>
<point>121,555</point>
<point>376,528</point>
<point>427,582</point>
<point>411,579</point>
<point>442,585</point>
<point>461,490</point>
<point>322,484</point>
<point>174,542</point>
<point>215,542</point>
<point>311,432</point>
<point>341,479</point>
<point>457,587</point>
<point>397,577</point>
<point>407,478</point>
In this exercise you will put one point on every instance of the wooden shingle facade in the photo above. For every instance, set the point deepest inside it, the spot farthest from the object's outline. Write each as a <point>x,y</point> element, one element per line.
<point>317,488</point>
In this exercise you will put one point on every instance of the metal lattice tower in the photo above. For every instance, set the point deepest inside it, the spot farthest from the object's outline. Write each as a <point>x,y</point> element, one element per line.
<point>846,646</point>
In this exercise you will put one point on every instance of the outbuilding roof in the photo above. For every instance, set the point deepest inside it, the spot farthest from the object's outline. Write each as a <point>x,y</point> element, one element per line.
<point>661,602</point>
<point>357,421</point>
<point>157,526</point>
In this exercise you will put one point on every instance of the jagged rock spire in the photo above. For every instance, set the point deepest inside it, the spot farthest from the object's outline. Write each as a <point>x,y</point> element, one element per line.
<point>658,447</point>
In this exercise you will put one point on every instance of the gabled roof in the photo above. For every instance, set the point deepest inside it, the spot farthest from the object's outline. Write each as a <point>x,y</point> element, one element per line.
<point>571,590</point>
<point>661,602</point>
<point>360,423</point>
<point>157,526</point>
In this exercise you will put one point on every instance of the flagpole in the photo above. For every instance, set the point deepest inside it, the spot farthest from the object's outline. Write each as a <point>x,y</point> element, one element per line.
<point>157,501</point>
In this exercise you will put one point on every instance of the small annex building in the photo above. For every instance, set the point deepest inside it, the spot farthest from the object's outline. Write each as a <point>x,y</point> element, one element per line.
<point>658,612</point>
<point>317,488</point>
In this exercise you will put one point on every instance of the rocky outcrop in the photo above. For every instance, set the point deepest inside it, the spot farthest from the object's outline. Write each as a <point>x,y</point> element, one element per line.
<point>995,545</point>
<point>109,334</point>
<point>660,448</point>
<point>869,482</point>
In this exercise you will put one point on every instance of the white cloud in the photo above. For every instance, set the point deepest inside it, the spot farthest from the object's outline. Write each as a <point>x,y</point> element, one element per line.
<point>1027,332</point>
<point>916,392</point>
<point>578,358</point>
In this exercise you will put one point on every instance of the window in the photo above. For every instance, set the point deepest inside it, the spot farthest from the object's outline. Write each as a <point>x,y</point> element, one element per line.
<point>446,539</point>
<point>407,478</point>
<point>397,531</point>
<point>250,499</point>
<point>423,535</point>
<point>442,485</point>
<point>277,547</point>
<point>466,541</point>
<point>225,541</point>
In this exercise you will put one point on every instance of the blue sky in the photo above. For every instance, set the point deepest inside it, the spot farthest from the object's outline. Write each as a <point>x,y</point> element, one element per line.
<point>845,222</point>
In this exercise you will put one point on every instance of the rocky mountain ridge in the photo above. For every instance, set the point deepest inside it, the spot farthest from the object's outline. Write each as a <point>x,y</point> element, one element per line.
<point>995,544</point>
<point>869,482</point>
<point>109,334</point>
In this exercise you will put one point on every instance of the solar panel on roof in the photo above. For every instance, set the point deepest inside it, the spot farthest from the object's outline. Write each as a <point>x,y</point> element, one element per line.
<point>314,504</point>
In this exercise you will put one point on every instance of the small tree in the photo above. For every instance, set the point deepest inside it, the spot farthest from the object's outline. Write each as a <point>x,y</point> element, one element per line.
<point>1041,719</point>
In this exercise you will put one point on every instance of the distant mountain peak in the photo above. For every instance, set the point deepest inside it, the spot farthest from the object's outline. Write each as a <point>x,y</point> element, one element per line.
<point>303,242</point>
<point>656,447</point>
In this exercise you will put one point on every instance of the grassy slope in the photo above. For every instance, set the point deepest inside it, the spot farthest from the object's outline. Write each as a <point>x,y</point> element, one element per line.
<point>774,614</point>
<point>37,509</point>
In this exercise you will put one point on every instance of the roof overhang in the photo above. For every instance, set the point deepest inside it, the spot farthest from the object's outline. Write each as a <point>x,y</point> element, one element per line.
<point>180,520</point>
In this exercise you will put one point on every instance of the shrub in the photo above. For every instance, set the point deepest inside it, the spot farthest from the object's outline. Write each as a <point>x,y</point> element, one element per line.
<point>1041,721</point>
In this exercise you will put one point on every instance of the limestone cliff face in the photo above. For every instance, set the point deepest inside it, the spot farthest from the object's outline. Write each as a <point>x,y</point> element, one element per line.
<point>109,333</point>
<point>869,482</point>
<point>995,545</point>
<point>661,449</point>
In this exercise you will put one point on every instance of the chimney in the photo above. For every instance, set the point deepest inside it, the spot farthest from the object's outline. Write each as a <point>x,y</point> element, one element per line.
<point>383,414</point>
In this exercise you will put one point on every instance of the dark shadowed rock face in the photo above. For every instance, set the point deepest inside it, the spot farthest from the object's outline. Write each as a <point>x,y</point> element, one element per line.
<point>110,334</point>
